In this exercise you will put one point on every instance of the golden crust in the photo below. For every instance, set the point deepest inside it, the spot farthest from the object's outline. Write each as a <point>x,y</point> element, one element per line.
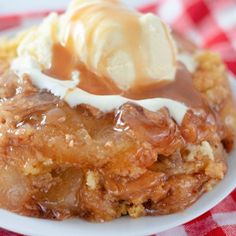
<point>211,80</point>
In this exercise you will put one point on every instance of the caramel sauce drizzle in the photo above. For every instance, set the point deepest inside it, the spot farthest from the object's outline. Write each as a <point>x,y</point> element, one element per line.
<point>64,63</point>
<point>181,89</point>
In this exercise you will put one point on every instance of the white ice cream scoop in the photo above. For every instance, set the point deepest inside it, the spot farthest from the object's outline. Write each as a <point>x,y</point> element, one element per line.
<point>112,41</point>
<point>118,43</point>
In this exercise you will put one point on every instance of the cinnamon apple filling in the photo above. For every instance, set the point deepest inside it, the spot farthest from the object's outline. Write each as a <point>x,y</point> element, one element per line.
<point>84,133</point>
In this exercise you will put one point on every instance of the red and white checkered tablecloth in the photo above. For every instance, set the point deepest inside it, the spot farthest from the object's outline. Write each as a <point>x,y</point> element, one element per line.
<point>211,24</point>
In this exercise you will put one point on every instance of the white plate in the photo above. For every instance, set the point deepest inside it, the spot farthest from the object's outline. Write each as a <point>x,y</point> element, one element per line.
<point>124,226</point>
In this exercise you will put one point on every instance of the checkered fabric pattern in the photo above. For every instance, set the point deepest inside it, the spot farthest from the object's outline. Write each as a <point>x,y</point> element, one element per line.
<point>210,24</point>
<point>219,221</point>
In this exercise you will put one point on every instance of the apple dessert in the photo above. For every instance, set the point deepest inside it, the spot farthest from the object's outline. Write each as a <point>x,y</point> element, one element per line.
<point>105,113</point>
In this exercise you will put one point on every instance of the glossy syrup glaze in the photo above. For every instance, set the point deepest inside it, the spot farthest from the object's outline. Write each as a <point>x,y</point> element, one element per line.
<point>181,89</point>
<point>64,63</point>
<point>58,162</point>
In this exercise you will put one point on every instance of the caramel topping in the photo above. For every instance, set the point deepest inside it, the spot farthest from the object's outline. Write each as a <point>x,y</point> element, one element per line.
<point>181,89</point>
<point>64,63</point>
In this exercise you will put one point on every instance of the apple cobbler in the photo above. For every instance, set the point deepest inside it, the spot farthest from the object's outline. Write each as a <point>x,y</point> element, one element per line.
<point>62,158</point>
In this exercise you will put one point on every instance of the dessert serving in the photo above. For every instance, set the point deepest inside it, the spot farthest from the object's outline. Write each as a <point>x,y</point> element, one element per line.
<point>104,112</point>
